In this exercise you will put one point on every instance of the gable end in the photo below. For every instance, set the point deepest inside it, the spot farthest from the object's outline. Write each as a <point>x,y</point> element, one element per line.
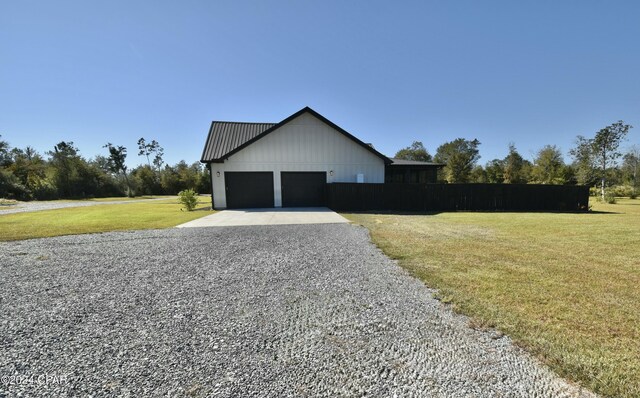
<point>219,148</point>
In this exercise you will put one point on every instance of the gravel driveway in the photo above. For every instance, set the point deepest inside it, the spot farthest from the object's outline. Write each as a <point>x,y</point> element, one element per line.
<point>266,311</point>
<point>23,207</point>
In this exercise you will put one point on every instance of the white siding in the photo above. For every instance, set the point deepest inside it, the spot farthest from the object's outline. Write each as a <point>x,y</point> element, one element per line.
<point>304,144</point>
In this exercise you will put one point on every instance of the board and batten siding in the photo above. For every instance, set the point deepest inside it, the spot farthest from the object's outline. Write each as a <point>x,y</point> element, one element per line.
<point>303,144</point>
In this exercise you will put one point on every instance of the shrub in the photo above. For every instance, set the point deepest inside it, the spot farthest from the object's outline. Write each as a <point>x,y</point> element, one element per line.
<point>609,197</point>
<point>11,187</point>
<point>622,190</point>
<point>188,198</point>
<point>43,189</point>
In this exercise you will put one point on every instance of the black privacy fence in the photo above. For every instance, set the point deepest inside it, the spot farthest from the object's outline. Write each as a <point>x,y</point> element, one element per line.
<point>453,197</point>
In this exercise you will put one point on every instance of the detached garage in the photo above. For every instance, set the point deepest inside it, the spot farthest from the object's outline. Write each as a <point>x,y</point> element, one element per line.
<point>286,164</point>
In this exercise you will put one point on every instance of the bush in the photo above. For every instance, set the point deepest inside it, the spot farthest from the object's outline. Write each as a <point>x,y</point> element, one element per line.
<point>188,198</point>
<point>622,190</point>
<point>11,187</point>
<point>43,189</point>
<point>609,197</point>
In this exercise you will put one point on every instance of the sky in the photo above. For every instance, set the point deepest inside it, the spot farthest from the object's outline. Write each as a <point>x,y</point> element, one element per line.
<point>389,72</point>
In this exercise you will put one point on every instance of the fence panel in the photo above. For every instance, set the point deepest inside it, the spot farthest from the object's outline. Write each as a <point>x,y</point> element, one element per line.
<point>453,197</point>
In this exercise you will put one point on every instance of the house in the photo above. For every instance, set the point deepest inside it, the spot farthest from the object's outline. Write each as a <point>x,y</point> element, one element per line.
<point>288,164</point>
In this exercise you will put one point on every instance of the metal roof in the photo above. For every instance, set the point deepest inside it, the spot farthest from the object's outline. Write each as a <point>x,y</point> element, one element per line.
<point>224,137</point>
<point>403,162</point>
<point>227,138</point>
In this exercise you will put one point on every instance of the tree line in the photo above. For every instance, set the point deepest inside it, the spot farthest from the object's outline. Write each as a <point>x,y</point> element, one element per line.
<point>63,173</point>
<point>596,161</point>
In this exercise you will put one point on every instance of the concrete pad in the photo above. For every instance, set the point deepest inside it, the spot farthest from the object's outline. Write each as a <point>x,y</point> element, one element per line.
<point>277,216</point>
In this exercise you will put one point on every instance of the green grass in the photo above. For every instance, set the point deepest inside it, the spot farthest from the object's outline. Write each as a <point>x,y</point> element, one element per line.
<point>564,286</point>
<point>126,198</point>
<point>8,203</point>
<point>98,218</point>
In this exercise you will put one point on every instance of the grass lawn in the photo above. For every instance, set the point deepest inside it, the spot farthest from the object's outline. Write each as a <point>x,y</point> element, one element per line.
<point>98,218</point>
<point>564,286</point>
<point>125,198</point>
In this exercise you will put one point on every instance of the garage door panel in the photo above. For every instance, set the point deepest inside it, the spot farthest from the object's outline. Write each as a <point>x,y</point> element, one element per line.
<point>249,189</point>
<point>303,189</point>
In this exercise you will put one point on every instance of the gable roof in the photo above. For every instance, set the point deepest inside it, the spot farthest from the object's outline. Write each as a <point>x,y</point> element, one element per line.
<point>224,137</point>
<point>227,138</point>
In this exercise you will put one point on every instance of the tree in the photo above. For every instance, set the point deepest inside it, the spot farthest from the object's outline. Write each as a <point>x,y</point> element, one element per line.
<point>583,162</point>
<point>10,186</point>
<point>478,175</point>
<point>116,162</point>
<point>152,148</point>
<point>102,163</point>
<point>631,167</point>
<point>205,181</point>
<point>146,180</point>
<point>416,151</point>
<point>605,149</point>
<point>170,180</point>
<point>495,171</point>
<point>549,167</point>
<point>513,165</point>
<point>29,167</point>
<point>460,157</point>
<point>64,161</point>
<point>157,159</point>
<point>5,157</point>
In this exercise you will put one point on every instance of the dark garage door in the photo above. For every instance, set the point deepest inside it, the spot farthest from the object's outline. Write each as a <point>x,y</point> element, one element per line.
<point>303,189</point>
<point>248,189</point>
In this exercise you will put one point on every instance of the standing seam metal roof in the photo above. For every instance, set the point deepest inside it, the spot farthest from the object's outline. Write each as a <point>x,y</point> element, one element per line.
<point>403,162</point>
<point>224,137</point>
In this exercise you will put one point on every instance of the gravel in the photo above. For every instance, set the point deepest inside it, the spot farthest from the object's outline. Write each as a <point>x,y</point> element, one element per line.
<point>268,311</point>
<point>23,207</point>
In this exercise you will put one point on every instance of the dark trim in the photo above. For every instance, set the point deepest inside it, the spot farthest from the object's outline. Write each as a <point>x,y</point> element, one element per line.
<point>416,164</point>
<point>285,121</point>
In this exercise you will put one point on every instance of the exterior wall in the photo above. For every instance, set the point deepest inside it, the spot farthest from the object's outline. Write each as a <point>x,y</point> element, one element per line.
<point>304,144</point>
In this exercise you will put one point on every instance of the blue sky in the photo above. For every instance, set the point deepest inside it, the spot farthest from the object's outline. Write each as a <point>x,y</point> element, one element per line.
<point>532,73</point>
